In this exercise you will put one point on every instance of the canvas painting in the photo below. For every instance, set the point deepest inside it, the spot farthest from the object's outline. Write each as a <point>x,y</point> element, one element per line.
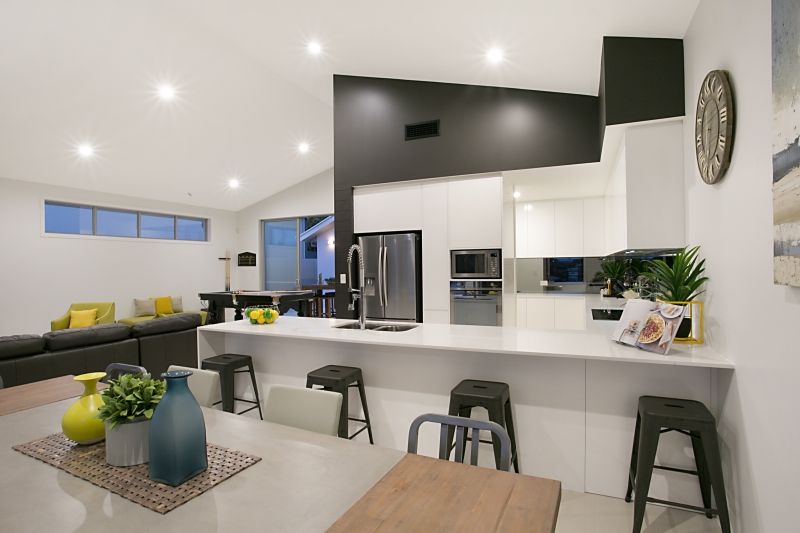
<point>785,134</point>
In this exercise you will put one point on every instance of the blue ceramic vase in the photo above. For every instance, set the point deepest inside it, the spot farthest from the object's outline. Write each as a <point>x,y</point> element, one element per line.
<point>177,434</point>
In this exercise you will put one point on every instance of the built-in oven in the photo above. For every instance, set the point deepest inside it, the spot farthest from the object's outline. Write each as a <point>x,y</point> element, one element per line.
<point>475,264</point>
<point>476,303</point>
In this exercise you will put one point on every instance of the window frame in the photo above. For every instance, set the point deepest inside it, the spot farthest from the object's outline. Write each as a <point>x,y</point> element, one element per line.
<point>137,212</point>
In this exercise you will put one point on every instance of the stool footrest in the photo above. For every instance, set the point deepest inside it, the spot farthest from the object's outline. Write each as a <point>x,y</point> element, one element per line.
<point>351,437</point>
<point>673,469</point>
<point>704,510</point>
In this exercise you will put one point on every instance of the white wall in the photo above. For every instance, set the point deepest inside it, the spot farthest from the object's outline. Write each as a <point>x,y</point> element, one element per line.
<point>311,197</point>
<point>42,274</point>
<point>750,320</point>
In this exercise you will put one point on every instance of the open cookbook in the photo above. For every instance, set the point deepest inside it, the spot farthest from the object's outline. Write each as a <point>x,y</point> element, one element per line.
<point>651,326</point>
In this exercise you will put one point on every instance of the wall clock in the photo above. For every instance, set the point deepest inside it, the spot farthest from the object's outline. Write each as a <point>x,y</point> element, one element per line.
<point>713,128</point>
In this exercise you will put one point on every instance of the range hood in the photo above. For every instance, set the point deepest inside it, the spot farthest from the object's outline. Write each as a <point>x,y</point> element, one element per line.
<point>638,253</point>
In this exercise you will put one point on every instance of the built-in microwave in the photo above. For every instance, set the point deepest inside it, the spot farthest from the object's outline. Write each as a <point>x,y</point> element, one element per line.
<point>475,264</point>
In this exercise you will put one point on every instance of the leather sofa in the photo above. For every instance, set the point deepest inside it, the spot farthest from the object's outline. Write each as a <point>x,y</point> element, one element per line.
<point>154,344</point>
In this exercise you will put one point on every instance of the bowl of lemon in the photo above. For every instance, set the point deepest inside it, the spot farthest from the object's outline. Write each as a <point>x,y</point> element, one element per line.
<point>261,315</point>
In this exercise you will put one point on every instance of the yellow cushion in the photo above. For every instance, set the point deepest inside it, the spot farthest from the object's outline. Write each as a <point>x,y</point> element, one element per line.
<point>164,305</point>
<point>82,319</point>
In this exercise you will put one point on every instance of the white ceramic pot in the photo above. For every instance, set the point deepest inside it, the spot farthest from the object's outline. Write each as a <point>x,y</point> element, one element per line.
<point>128,444</point>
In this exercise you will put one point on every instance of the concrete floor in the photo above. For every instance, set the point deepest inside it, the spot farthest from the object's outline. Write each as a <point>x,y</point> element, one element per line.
<point>590,513</point>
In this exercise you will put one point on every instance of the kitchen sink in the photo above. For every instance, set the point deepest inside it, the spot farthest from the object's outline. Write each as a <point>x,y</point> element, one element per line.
<point>356,325</point>
<point>395,328</point>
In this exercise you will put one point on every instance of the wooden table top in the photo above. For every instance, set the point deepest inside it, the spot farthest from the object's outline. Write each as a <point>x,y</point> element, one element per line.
<point>431,495</point>
<point>31,395</point>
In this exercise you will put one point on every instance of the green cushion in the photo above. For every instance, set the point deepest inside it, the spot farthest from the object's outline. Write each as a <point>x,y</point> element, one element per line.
<point>136,319</point>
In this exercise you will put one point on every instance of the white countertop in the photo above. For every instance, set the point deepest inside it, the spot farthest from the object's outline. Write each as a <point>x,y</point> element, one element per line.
<point>594,344</point>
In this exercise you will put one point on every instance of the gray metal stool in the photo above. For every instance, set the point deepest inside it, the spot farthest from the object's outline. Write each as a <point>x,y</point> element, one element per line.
<point>339,379</point>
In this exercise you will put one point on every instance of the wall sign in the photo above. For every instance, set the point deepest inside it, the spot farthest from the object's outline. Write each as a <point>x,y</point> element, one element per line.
<point>247,259</point>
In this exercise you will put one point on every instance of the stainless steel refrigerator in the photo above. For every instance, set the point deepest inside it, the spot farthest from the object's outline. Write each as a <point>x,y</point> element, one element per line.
<point>393,276</point>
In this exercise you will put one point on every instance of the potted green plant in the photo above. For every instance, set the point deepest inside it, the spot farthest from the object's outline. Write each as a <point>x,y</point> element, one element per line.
<point>680,282</point>
<point>128,406</point>
<point>615,271</point>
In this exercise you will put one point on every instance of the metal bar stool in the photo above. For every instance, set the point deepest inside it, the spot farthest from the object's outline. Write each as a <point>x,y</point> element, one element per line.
<point>340,379</point>
<point>228,366</point>
<point>658,415</point>
<point>496,399</point>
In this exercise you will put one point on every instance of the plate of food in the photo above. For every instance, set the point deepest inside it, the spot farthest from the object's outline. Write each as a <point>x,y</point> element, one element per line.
<point>671,310</point>
<point>652,330</point>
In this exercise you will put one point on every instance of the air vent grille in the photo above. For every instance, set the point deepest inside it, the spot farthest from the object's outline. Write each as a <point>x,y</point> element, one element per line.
<point>420,130</point>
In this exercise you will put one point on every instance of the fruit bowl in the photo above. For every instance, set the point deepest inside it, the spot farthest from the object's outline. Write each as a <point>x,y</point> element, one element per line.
<point>261,315</point>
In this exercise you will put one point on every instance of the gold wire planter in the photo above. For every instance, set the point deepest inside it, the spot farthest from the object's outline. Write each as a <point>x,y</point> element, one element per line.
<point>694,312</point>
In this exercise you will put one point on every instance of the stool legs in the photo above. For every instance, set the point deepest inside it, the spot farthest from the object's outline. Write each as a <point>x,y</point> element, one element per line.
<point>227,390</point>
<point>363,395</point>
<point>702,471</point>
<point>345,415</point>
<point>648,444</point>
<point>510,427</point>
<point>710,442</point>
<point>634,455</point>
<point>255,389</point>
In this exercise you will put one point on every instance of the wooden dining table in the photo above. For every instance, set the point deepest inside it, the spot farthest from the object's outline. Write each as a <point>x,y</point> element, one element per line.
<point>305,482</point>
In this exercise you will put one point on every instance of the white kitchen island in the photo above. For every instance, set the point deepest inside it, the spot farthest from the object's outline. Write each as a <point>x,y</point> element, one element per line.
<point>574,393</point>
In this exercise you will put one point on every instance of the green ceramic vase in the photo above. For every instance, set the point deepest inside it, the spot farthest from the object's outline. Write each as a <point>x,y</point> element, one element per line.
<point>79,423</point>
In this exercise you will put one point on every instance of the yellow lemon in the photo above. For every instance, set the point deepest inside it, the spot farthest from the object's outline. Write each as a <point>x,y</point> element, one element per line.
<point>253,314</point>
<point>261,320</point>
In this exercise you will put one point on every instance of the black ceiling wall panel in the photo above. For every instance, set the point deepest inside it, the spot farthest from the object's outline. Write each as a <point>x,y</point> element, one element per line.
<point>641,79</point>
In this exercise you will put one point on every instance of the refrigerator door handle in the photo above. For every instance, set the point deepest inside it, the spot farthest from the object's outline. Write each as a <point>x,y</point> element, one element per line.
<point>384,276</point>
<point>380,275</point>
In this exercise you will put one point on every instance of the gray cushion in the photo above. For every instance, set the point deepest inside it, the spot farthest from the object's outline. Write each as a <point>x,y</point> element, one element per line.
<point>66,339</point>
<point>167,324</point>
<point>20,346</point>
<point>144,307</point>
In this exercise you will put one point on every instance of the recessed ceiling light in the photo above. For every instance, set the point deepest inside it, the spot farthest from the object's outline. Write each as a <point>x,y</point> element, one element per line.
<point>495,55</point>
<point>85,150</point>
<point>303,148</point>
<point>516,194</point>
<point>314,48</point>
<point>166,92</point>
<point>233,183</point>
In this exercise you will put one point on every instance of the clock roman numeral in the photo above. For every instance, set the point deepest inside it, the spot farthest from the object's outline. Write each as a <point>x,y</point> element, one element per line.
<point>719,92</point>
<point>723,114</point>
<point>717,162</point>
<point>721,143</point>
<point>707,87</point>
<point>701,158</point>
<point>702,103</point>
<point>699,140</point>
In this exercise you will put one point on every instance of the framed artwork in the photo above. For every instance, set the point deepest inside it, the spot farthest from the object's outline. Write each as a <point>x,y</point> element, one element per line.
<point>785,134</point>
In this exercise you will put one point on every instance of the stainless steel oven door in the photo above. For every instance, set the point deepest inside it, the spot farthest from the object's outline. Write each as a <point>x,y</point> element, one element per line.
<point>476,303</point>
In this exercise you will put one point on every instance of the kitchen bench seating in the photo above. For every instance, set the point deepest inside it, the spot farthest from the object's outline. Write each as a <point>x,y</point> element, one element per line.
<point>694,420</point>
<point>496,399</point>
<point>154,345</point>
<point>228,365</point>
<point>339,379</point>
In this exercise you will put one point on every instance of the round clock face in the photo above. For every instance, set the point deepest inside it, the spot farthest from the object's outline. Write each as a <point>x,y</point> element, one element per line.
<point>713,129</point>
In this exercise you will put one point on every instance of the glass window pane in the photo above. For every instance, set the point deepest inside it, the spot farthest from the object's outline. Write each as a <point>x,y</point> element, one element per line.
<point>191,229</point>
<point>157,227</point>
<point>116,223</point>
<point>67,219</point>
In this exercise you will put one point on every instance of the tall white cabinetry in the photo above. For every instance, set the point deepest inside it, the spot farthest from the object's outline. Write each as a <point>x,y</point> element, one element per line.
<point>452,214</point>
<point>475,213</point>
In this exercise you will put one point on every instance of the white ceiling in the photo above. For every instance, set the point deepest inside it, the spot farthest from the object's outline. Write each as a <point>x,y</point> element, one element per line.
<point>75,72</point>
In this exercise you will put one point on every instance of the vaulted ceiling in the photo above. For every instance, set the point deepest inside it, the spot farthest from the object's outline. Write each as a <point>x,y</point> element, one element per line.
<point>247,90</point>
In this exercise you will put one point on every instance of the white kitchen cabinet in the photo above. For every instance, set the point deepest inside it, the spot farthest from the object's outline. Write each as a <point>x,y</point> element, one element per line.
<point>393,207</point>
<point>435,252</point>
<point>569,228</point>
<point>475,213</point>
<point>521,230</point>
<point>541,229</point>
<point>594,233</point>
<point>522,312</point>
<point>540,313</point>
<point>569,313</point>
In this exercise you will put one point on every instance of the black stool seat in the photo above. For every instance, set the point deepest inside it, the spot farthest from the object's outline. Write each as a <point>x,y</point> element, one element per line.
<point>339,379</point>
<point>228,366</point>
<point>493,396</point>
<point>658,415</point>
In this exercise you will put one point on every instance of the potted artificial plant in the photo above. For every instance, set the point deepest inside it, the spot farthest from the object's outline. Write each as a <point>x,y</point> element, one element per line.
<point>679,283</point>
<point>613,271</point>
<point>128,406</point>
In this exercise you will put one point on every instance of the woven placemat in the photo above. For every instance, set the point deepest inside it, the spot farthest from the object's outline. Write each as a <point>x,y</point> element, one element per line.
<point>89,463</point>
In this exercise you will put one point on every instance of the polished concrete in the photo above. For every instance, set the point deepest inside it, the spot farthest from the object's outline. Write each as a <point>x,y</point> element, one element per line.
<point>590,513</point>
<point>304,482</point>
